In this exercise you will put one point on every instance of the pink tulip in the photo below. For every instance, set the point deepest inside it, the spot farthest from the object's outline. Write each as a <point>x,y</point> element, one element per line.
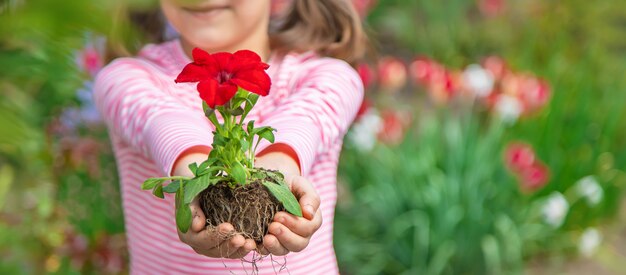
<point>392,74</point>
<point>420,70</point>
<point>491,7</point>
<point>534,176</point>
<point>394,127</point>
<point>535,93</point>
<point>519,156</point>
<point>496,65</point>
<point>367,75</point>
<point>363,6</point>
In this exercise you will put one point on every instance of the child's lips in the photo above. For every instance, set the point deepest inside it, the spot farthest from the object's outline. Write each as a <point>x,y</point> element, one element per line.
<point>204,12</point>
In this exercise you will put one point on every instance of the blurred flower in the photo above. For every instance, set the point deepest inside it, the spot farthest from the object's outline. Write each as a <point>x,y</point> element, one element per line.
<point>496,66</point>
<point>534,93</point>
<point>589,188</point>
<point>363,6</point>
<point>442,83</point>
<point>518,156</point>
<point>106,256</point>
<point>534,176</point>
<point>90,59</point>
<point>589,242</point>
<point>555,209</point>
<point>420,70</point>
<point>366,106</point>
<point>392,74</point>
<point>364,131</point>
<point>508,107</point>
<point>491,7</point>
<point>478,80</point>
<point>394,126</point>
<point>366,73</point>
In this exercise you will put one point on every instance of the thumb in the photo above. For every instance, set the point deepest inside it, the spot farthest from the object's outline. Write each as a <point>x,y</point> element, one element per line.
<point>199,220</point>
<point>307,196</point>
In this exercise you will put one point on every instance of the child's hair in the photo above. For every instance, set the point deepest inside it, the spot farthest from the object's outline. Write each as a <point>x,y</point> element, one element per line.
<point>330,27</point>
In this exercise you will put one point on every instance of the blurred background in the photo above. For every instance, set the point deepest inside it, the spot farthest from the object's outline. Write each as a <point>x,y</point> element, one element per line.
<point>492,139</point>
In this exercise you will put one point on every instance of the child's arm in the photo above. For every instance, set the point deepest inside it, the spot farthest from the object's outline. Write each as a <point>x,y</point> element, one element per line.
<point>138,109</point>
<point>310,121</point>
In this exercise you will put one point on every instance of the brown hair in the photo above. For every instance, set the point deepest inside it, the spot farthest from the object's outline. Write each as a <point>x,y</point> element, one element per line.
<point>330,27</point>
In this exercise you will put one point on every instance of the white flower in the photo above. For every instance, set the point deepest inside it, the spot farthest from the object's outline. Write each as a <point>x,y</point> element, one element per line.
<point>509,108</point>
<point>478,80</point>
<point>365,130</point>
<point>555,209</point>
<point>589,188</point>
<point>589,242</point>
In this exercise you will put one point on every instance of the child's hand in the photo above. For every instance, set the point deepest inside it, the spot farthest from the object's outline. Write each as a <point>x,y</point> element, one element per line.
<point>289,233</point>
<point>217,243</point>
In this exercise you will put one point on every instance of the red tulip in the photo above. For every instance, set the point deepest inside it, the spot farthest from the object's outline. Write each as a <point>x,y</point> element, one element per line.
<point>519,156</point>
<point>394,126</point>
<point>392,74</point>
<point>218,75</point>
<point>363,6</point>
<point>420,70</point>
<point>534,93</point>
<point>496,65</point>
<point>491,7</point>
<point>366,74</point>
<point>366,105</point>
<point>534,176</point>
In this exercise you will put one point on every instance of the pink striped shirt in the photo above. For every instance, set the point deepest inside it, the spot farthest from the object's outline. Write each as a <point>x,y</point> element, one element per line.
<point>152,120</point>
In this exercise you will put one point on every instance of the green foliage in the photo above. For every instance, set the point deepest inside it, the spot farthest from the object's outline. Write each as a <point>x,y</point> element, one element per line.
<point>439,203</point>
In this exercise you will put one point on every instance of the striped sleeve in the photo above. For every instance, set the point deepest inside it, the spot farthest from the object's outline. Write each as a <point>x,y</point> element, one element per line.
<point>318,111</point>
<point>154,122</point>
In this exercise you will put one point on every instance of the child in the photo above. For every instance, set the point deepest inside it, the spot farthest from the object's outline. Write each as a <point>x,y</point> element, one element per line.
<point>157,128</point>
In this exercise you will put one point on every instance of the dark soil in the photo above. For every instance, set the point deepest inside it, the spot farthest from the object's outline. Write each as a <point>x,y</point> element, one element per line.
<point>249,208</point>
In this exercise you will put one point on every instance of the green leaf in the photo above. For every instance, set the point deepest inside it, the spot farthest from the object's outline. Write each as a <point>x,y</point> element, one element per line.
<point>158,191</point>
<point>172,187</point>
<point>268,134</point>
<point>250,126</point>
<point>194,168</point>
<point>237,112</point>
<point>238,173</point>
<point>183,214</point>
<point>197,185</point>
<point>283,194</point>
<point>151,183</point>
<point>245,145</point>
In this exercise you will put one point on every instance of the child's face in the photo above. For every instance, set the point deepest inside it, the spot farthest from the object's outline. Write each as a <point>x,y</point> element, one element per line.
<point>219,25</point>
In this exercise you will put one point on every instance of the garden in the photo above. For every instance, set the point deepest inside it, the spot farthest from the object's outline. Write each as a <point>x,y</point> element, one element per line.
<point>492,139</point>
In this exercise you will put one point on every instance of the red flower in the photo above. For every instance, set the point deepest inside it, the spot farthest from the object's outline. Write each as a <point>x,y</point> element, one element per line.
<point>366,74</point>
<point>534,176</point>
<point>519,156</point>
<point>220,74</point>
<point>392,74</point>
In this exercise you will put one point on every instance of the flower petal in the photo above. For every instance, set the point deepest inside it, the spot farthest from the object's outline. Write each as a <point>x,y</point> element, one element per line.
<point>225,92</point>
<point>192,73</point>
<point>254,81</point>
<point>223,60</point>
<point>200,56</point>
<point>208,91</point>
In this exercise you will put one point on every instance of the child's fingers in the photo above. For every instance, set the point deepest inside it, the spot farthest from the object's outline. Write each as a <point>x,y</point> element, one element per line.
<point>248,246</point>
<point>222,249</point>
<point>198,222</point>
<point>287,239</point>
<point>273,246</point>
<point>307,196</point>
<point>207,239</point>
<point>301,226</point>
